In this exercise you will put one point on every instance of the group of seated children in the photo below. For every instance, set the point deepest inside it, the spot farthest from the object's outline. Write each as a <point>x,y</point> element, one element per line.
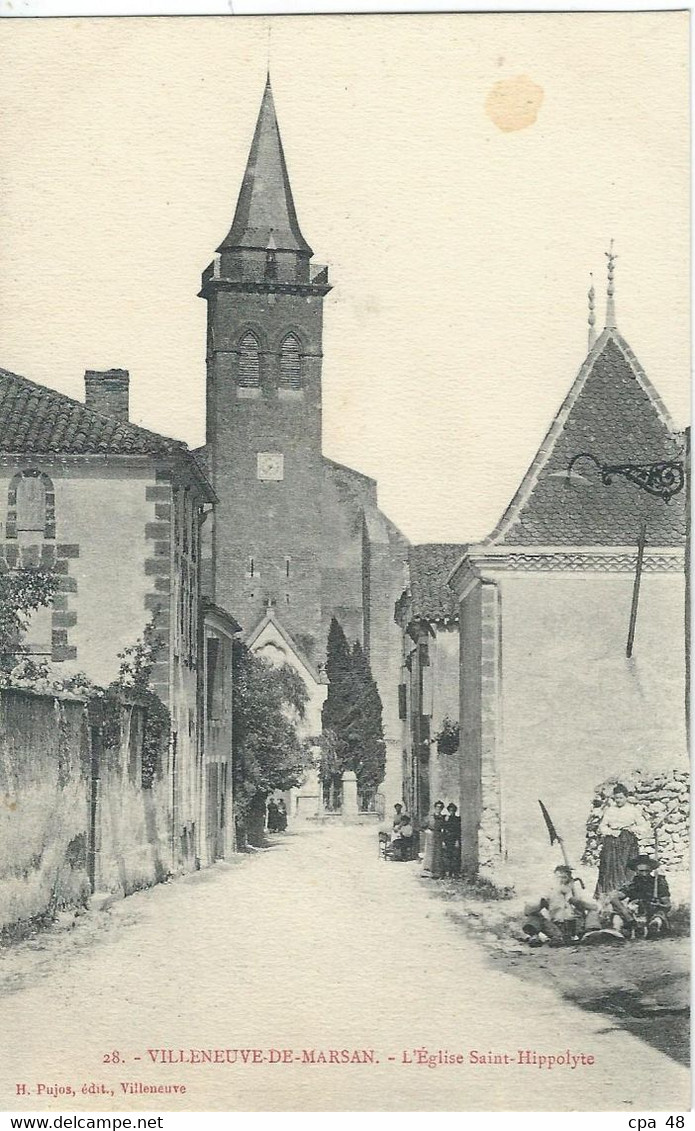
<point>638,909</point>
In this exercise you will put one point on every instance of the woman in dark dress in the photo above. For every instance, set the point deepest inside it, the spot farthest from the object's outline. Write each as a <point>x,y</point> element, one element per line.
<point>272,819</point>
<point>452,841</point>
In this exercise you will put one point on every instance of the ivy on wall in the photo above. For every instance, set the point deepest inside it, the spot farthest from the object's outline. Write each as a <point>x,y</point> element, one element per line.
<point>22,592</point>
<point>132,686</point>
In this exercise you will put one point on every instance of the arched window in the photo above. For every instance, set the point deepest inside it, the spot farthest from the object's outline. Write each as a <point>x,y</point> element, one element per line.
<point>290,363</point>
<point>249,361</point>
<point>31,505</point>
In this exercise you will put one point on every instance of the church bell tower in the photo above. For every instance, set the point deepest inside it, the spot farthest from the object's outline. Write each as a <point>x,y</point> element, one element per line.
<point>264,350</point>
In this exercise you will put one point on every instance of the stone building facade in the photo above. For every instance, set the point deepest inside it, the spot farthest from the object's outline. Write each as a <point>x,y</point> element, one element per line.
<point>116,511</point>
<point>219,630</point>
<point>551,704</point>
<point>293,532</point>
<point>427,614</point>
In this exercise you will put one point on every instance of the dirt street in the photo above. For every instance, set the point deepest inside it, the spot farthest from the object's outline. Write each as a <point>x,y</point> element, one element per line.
<point>309,952</point>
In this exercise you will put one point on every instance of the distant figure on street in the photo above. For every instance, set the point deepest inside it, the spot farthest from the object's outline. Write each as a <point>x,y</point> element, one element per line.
<point>272,817</point>
<point>282,816</point>
<point>622,823</point>
<point>394,845</point>
<point>402,836</point>
<point>433,864</point>
<point>452,841</point>
<point>643,904</point>
<point>559,917</point>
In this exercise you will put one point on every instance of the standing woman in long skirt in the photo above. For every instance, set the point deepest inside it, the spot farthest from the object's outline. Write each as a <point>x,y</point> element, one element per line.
<point>622,823</point>
<point>433,863</point>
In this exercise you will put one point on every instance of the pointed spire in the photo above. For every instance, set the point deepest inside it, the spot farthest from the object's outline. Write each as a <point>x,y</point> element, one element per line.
<point>265,202</point>
<point>610,301</point>
<point>592,311</point>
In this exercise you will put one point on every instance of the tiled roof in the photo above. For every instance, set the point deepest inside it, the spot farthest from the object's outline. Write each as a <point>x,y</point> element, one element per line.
<point>614,413</point>
<point>429,565</point>
<point>37,420</point>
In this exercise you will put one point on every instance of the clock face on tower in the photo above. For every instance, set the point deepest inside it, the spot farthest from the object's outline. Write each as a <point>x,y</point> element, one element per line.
<point>270,466</point>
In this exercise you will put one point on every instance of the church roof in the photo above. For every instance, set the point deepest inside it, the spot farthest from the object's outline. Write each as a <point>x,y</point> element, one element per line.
<point>330,465</point>
<point>429,566</point>
<point>267,626</point>
<point>265,214</point>
<point>613,412</point>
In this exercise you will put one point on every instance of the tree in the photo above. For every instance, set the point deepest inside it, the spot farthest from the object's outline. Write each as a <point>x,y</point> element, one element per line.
<point>336,751</point>
<point>370,750</point>
<point>22,592</point>
<point>268,702</point>
<point>352,713</point>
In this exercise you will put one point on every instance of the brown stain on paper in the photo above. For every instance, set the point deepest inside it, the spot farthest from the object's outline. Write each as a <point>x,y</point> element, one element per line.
<point>513,104</point>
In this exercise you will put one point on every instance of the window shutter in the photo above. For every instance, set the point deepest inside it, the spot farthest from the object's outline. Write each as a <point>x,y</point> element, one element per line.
<point>249,361</point>
<point>290,363</point>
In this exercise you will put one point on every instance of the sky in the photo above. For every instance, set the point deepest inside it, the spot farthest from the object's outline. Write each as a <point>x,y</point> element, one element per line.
<point>461,175</point>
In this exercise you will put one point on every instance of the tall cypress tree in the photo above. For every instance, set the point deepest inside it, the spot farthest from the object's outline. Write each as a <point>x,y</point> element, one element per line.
<point>336,707</point>
<point>352,710</point>
<point>369,750</point>
<point>338,669</point>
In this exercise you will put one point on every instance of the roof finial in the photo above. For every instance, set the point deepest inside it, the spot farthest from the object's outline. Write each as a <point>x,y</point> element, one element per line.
<point>592,311</point>
<point>610,301</point>
<point>267,69</point>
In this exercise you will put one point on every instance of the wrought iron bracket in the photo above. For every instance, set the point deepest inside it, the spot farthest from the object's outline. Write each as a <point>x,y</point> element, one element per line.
<point>663,479</point>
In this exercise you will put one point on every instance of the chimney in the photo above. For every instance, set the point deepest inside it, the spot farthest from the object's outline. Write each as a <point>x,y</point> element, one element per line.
<point>106,391</point>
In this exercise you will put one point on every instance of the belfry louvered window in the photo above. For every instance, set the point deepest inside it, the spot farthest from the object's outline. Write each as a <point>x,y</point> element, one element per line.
<point>290,363</point>
<point>249,361</point>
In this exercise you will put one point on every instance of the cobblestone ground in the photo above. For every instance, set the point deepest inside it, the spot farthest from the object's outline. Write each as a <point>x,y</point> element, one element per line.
<point>314,944</point>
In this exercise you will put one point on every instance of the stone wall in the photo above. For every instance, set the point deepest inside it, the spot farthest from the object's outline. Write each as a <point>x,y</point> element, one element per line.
<point>44,811</point>
<point>133,824</point>
<point>74,815</point>
<point>665,801</point>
